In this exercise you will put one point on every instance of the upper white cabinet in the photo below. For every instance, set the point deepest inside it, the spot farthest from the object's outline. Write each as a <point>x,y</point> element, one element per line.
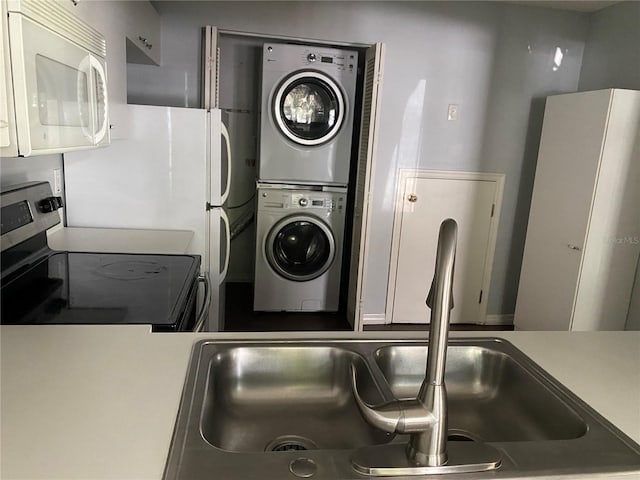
<point>8,144</point>
<point>126,26</point>
<point>583,238</point>
<point>143,33</point>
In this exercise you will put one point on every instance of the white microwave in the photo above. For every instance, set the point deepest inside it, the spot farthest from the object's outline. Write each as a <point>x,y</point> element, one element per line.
<point>59,78</point>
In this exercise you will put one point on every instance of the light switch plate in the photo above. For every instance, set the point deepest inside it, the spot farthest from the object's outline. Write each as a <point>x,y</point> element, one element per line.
<point>452,112</point>
<point>57,181</point>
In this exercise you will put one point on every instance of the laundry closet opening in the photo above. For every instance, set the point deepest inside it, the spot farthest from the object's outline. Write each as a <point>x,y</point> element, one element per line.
<point>293,111</point>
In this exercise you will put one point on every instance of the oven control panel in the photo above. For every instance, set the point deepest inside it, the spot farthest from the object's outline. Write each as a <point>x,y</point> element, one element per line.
<point>27,210</point>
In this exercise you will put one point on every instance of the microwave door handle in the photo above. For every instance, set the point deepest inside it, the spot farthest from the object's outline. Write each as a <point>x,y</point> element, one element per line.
<point>85,72</point>
<point>225,135</point>
<point>101,133</point>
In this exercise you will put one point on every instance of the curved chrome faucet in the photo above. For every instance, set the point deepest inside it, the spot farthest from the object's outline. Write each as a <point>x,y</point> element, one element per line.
<point>425,417</point>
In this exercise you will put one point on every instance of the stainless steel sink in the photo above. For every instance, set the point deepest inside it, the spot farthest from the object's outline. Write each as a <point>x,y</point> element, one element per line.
<point>492,398</point>
<point>261,399</point>
<point>273,410</point>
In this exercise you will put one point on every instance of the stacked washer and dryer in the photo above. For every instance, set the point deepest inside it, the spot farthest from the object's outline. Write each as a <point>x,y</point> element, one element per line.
<point>306,126</point>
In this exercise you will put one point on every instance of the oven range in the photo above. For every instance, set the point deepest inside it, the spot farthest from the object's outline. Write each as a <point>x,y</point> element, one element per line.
<point>42,286</point>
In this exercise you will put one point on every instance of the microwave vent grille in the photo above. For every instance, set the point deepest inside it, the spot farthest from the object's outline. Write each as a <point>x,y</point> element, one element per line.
<point>56,17</point>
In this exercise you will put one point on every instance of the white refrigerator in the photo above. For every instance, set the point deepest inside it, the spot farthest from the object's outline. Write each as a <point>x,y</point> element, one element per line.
<point>169,174</point>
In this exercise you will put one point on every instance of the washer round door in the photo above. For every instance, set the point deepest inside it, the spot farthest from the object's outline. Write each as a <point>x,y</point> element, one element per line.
<point>309,108</point>
<point>300,248</point>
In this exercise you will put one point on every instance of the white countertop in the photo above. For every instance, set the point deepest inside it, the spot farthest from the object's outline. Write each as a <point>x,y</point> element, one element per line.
<point>116,240</point>
<point>98,402</point>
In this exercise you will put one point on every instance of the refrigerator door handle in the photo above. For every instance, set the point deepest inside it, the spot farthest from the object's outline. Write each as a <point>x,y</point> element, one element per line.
<point>203,313</point>
<point>225,135</point>
<point>227,230</point>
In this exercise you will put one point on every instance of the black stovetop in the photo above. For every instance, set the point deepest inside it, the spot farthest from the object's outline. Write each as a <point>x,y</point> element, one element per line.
<point>99,288</point>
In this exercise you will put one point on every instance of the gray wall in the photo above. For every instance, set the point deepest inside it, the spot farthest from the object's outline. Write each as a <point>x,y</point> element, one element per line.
<point>495,60</point>
<point>612,53</point>
<point>20,170</point>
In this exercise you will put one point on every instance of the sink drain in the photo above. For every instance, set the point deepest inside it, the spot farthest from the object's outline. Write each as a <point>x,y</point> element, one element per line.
<point>288,446</point>
<point>460,436</point>
<point>289,443</point>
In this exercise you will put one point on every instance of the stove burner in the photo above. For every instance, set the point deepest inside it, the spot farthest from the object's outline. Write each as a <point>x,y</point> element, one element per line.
<point>131,270</point>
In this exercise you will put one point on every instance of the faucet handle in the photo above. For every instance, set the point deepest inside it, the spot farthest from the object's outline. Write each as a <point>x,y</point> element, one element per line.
<point>397,416</point>
<point>386,416</point>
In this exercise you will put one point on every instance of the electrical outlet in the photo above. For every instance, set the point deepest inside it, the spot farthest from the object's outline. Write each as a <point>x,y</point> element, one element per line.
<point>452,112</point>
<point>57,181</point>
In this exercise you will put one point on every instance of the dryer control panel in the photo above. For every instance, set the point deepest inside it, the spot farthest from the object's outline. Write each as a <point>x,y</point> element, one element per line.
<point>341,61</point>
<point>279,56</point>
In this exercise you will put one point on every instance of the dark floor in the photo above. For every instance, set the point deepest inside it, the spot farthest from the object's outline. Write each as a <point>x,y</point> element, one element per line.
<point>240,317</point>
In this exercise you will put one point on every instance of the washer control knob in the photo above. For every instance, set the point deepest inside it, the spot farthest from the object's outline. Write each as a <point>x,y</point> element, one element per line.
<point>303,202</point>
<point>312,57</point>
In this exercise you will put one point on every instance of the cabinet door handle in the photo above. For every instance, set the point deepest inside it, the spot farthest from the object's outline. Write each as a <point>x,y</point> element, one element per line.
<point>145,42</point>
<point>412,197</point>
<point>573,247</point>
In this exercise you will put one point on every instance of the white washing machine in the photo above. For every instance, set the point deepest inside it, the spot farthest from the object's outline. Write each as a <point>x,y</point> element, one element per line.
<point>299,241</point>
<point>306,125</point>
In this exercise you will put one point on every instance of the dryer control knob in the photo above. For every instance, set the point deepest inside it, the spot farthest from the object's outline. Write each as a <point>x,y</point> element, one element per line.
<point>312,57</point>
<point>303,202</point>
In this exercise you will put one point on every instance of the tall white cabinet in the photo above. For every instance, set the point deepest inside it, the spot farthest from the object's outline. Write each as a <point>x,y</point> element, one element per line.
<point>583,238</point>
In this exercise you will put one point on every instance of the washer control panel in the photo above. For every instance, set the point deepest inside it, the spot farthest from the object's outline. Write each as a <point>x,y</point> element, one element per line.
<point>297,200</point>
<point>319,200</point>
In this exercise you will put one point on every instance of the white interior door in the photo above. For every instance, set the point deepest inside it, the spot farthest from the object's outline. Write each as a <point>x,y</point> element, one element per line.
<point>374,61</point>
<point>425,203</point>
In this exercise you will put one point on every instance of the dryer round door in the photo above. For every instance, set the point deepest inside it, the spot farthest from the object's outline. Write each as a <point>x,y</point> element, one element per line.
<point>300,248</point>
<point>309,108</point>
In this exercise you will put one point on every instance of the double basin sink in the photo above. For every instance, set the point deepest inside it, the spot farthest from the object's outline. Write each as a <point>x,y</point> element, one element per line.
<point>284,410</point>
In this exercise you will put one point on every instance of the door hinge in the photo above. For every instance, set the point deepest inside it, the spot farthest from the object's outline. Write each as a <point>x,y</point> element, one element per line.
<point>493,209</point>
<point>480,299</point>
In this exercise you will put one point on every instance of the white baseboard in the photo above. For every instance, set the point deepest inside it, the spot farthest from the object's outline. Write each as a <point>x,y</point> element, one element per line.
<point>380,319</point>
<point>498,320</point>
<point>374,319</point>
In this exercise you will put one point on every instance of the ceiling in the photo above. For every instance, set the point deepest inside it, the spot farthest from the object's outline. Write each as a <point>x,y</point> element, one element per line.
<point>575,5</point>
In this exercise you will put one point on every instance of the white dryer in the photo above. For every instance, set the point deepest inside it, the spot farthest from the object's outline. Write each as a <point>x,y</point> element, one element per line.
<point>298,249</point>
<point>306,125</point>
